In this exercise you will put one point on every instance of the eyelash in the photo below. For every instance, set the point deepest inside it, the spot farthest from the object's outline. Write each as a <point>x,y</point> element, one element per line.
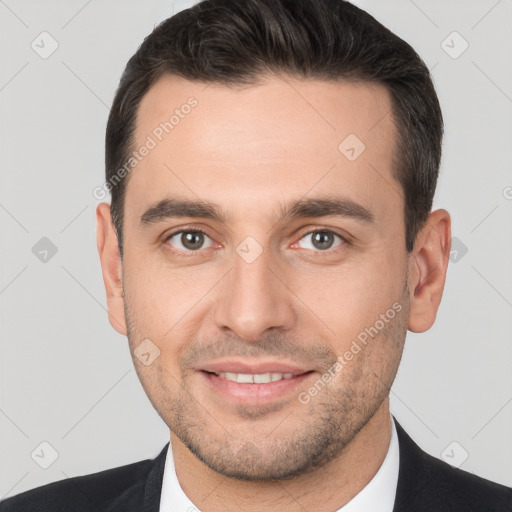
<point>190,229</point>
<point>343,240</point>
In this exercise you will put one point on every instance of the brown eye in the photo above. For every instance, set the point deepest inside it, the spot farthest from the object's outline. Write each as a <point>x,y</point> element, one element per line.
<point>189,240</point>
<point>321,240</point>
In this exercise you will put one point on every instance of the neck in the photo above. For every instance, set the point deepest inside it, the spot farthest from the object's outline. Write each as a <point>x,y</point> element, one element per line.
<point>326,489</point>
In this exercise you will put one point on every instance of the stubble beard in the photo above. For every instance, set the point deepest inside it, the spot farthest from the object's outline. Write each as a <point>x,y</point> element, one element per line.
<point>323,428</point>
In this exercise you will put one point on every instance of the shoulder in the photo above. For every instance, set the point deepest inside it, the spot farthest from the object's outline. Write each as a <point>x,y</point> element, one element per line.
<point>97,491</point>
<point>427,483</point>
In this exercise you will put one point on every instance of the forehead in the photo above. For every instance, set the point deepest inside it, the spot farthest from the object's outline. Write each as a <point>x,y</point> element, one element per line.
<point>242,146</point>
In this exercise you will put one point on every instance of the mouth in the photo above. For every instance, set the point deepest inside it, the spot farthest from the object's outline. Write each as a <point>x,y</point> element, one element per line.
<point>256,378</point>
<point>261,384</point>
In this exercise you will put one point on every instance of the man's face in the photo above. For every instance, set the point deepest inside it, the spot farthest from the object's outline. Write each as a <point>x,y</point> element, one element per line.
<point>297,253</point>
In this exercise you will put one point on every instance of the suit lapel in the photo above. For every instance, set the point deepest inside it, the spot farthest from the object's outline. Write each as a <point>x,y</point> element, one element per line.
<point>153,487</point>
<point>413,474</point>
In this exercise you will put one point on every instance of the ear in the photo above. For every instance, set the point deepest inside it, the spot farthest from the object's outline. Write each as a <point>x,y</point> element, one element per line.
<point>111,267</point>
<point>428,264</point>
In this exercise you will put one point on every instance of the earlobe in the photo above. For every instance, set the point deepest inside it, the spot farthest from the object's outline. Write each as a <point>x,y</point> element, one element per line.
<point>111,267</point>
<point>428,264</point>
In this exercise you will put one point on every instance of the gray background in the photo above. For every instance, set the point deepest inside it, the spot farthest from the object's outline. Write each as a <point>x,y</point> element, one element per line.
<point>66,377</point>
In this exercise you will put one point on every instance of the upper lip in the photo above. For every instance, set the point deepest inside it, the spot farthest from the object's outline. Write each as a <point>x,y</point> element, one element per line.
<point>252,368</point>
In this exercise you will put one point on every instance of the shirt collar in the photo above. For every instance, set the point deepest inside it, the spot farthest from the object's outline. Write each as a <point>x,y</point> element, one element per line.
<point>378,495</point>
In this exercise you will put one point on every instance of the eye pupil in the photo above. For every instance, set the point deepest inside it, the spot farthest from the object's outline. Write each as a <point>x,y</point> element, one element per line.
<point>192,240</point>
<point>322,239</point>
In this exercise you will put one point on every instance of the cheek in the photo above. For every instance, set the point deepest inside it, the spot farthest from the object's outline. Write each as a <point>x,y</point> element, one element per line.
<point>157,294</point>
<point>352,296</point>
<point>370,357</point>
<point>167,305</point>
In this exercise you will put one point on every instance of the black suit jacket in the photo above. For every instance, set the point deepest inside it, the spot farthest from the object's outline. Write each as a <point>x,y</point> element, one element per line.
<point>425,484</point>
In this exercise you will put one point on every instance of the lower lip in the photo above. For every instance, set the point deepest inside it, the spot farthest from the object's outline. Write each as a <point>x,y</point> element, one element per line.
<point>246,393</point>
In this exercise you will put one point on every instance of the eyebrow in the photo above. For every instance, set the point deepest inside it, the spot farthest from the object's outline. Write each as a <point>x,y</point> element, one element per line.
<point>304,208</point>
<point>328,206</point>
<point>172,208</point>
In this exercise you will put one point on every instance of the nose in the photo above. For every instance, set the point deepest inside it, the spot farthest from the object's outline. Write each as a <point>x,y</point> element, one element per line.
<point>253,300</point>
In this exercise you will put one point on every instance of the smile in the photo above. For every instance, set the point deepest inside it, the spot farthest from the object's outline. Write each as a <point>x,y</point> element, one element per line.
<point>254,389</point>
<point>254,378</point>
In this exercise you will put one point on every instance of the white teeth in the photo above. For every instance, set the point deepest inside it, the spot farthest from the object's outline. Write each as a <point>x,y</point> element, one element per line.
<point>257,378</point>
<point>262,378</point>
<point>245,378</point>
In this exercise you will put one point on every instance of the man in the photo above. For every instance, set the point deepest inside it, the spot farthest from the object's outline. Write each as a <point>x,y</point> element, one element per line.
<point>270,241</point>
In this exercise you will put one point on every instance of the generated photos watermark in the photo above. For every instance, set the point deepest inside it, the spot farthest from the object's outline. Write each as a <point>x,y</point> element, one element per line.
<point>152,140</point>
<point>357,345</point>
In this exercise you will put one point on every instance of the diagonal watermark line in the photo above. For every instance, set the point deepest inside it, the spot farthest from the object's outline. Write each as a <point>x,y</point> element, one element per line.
<point>491,285</point>
<point>424,14</point>
<point>308,191</point>
<point>383,117</point>
<point>492,211</point>
<point>15,485</point>
<point>104,395</point>
<point>74,218</point>
<point>71,71</point>
<point>501,409</point>
<point>84,288</point>
<point>13,13</point>
<point>203,500</point>
<point>13,279</point>
<point>395,395</point>
<point>177,177</point>
<point>91,295</point>
<point>196,303</point>
<point>75,15</point>
<point>198,402</point>
<point>280,423</point>
<point>491,80</point>
<point>486,14</point>
<point>17,426</point>
<point>295,295</point>
<point>310,104</point>
<point>384,179</point>
<point>13,76</point>
<point>13,218</point>
<point>293,497</point>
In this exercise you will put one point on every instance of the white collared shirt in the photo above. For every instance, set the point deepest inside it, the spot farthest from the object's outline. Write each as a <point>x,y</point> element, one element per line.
<point>378,495</point>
